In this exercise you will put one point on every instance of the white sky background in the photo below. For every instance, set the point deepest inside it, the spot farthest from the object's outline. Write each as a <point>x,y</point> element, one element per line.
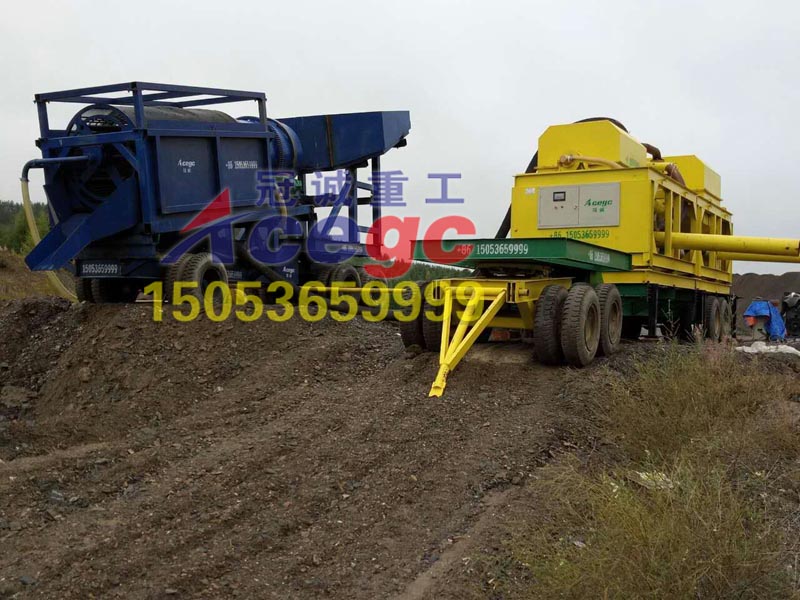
<point>482,81</point>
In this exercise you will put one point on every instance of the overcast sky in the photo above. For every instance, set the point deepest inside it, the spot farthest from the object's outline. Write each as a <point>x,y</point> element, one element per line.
<point>482,81</point>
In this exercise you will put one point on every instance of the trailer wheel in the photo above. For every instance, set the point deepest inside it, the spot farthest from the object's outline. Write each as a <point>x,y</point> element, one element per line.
<point>547,325</point>
<point>344,274</point>
<point>173,276</point>
<point>411,331</point>
<point>339,275</point>
<point>202,269</point>
<point>83,289</point>
<point>175,273</point>
<point>113,291</point>
<point>322,273</point>
<point>610,318</point>
<point>580,325</point>
<point>432,330</point>
<point>712,318</point>
<point>726,318</point>
<point>366,278</point>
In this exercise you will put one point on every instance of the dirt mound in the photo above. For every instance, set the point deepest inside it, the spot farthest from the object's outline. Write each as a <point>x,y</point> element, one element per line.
<point>17,281</point>
<point>769,287</point>
<point>286,460</point>
<point>291,459</point>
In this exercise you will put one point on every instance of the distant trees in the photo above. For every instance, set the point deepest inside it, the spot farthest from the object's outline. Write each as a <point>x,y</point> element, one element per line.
<point>420,271</point>
<point>14,233</point>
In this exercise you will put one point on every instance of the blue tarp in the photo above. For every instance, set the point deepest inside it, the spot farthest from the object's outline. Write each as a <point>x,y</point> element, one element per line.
<point>776,328</point>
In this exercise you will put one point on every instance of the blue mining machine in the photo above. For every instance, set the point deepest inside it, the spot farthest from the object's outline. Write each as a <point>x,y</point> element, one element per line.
<point>139,165</point>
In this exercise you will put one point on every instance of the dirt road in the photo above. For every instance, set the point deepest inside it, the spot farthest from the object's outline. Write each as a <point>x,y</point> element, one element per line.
<point>293,460</point>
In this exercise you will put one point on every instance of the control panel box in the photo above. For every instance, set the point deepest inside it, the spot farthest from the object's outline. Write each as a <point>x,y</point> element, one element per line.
<point>591,205</point>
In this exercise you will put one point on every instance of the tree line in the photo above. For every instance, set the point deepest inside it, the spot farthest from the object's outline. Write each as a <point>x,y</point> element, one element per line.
<point>14,233</point>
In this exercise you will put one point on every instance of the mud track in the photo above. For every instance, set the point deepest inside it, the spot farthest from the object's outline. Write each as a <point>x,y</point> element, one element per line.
<point>292,460</point>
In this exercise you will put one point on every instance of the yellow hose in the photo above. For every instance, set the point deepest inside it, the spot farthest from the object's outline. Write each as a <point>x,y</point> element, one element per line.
<point>28,209</point>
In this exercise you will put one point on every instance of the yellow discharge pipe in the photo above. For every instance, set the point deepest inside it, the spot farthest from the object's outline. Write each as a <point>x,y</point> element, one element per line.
<point>27,208</point>
<point>733,243</point>
<point>757,257</point>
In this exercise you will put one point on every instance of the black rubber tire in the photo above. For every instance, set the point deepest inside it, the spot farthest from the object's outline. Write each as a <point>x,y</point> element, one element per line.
<point>610,318</point>
<point>712,318</point>
<point>339,274</point>
<point>726,318</point>
<point>83,289</point>
<point>366,278</point>
<point>431,330</point>
<point>175,273</point>
<point>113,291</point>
<point>202,269</point>
<point>411,331</point>
<point>101,291</point>
<point>547,325</point>
<point>322,273</point>
<point>580,325</point>
<point>344,273</point>
<point>632,328</point>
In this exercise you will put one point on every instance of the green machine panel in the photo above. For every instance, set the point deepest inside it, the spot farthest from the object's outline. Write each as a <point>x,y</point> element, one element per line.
<point>548,251</point>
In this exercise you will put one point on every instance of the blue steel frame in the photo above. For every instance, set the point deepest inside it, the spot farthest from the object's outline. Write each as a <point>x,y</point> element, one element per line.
<point>145,217</point>
<point>55,143</point>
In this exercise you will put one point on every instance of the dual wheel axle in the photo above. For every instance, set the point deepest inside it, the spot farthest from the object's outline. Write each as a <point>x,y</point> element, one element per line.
<point>570,323</point>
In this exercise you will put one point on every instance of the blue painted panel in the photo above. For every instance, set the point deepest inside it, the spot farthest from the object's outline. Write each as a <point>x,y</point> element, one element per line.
<point>240,159</point>
<point>339,141</point>
<point>187,173</point>
<point>169,168</point>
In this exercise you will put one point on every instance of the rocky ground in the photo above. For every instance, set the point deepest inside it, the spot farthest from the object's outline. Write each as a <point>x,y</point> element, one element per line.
<point>287,460</point>
<point>293,460</point>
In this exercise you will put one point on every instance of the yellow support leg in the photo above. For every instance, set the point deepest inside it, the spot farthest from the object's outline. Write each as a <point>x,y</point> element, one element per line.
<point>453,350</point>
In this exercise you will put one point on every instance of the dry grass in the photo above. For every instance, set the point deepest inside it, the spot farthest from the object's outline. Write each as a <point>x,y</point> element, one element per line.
<point>708,399</point>
<point>682,533</point>
<point>17,281</point>
<point>698,501</point>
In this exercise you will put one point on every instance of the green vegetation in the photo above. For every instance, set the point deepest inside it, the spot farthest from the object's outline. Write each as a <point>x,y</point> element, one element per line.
<point>420,271</point>
<point>14,233</point>
<point>423,271</point>
<point>693,493</point>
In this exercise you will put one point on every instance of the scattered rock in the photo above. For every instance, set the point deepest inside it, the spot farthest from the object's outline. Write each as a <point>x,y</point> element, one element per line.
<point>12,396</point>
<point>56,496</point>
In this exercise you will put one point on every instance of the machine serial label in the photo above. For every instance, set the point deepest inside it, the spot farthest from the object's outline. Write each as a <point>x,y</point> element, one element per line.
<point>582,234</point>
<point>100,269</point>
<point>241,164</point>
<point>499,249</point>
<point>598,256</point>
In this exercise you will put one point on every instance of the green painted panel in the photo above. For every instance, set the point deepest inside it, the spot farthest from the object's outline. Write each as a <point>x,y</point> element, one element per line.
<point>550,251</point>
